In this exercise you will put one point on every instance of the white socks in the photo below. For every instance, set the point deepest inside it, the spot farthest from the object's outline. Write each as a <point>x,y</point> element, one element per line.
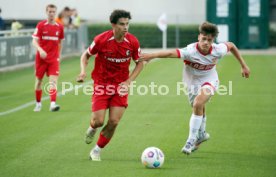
<point>202,128</point>
<point>53,103</point>
<point>97,148</point>
<point>38,104</point>
<point>195,123</point>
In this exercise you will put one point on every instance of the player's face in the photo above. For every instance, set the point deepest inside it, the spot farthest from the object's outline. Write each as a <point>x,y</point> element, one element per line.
<point>51,13</point>
<point>121,27</point>
<point>205,42</point>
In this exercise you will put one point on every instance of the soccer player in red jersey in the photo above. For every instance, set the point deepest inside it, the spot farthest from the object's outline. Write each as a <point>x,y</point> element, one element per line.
<point>114,50</point>
<point>47,39</point>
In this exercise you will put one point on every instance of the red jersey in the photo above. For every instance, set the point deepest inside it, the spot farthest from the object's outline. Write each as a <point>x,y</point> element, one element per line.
<point>49,36</point>
<point>113,58</point>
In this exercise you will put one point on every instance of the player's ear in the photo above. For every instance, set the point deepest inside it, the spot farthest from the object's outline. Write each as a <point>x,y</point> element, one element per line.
<point>213,39</point>
<point>113,25</point>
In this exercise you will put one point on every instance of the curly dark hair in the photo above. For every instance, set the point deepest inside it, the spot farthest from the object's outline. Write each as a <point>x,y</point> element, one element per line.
<point>116,14</point>
<point>207,28</point>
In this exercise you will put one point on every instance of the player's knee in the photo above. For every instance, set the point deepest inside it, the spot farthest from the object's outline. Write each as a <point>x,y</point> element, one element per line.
<point>198,104</point>
<point>97,124</point>
<point>113,123</point>
<point>38,84</point>
<point>97,121</point>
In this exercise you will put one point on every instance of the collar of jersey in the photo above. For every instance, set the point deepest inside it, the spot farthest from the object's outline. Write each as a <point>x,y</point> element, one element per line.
<point>209,52</point>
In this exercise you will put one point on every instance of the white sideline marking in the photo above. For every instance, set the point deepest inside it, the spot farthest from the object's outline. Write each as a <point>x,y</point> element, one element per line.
<point>43,99</point>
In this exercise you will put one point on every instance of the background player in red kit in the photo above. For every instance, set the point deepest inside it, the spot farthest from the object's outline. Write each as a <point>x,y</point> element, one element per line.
<point>47,39</point>
<point>114,50</point>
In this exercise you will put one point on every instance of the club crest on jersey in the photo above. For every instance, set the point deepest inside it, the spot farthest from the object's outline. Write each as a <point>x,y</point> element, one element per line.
<point>127,53</point>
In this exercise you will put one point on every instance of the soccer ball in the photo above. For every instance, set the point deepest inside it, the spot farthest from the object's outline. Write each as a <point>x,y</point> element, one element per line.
<point>152,157</point>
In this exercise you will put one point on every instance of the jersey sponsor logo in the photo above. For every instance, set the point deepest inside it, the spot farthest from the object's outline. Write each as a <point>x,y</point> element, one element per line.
<point>118,60</point>
<point>198,65</point>
<point>51,38</point>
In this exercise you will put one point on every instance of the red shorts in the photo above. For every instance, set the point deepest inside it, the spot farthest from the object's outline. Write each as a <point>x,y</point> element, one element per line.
<point>107,96</point>
<point>42,67</point>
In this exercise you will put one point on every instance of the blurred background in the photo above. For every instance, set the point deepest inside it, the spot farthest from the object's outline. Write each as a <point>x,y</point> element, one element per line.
<point>47,144</point>
<point>250,24</point>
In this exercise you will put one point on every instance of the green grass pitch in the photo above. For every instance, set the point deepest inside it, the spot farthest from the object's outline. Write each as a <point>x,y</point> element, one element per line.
<point>46,144</point>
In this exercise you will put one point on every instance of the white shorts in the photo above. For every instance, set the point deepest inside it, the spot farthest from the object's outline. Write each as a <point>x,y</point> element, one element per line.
<point>194,83</point>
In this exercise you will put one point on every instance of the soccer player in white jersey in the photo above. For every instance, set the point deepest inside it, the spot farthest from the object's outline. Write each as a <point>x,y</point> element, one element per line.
<point>200,76</point>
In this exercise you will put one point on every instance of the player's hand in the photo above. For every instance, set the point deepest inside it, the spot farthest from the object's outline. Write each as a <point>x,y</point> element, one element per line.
<point>123,88</point>
<point>81,77</point>
<point>42,54</point>
<point>245,71</point>
<point>145,57</point>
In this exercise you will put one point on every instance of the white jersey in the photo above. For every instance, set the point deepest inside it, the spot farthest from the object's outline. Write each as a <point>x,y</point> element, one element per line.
<point>199,69</point>
<point>196,63</point>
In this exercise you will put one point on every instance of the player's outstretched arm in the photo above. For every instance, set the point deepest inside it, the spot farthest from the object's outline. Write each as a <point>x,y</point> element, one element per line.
<point>136,71</point>
<point>244,68</point>
<point>138,68</point>
<point>160,54</point>
<point>83,64</point>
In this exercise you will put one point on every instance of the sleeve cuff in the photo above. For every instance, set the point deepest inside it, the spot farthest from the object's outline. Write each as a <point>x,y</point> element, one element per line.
<point>178,53</point>
<point>227,47</point>
<point>88,51</point>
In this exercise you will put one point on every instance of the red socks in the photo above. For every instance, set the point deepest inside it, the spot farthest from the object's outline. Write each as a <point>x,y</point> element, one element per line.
<point>53,95</point>
<point>38,94</point>
<point>102,141</point>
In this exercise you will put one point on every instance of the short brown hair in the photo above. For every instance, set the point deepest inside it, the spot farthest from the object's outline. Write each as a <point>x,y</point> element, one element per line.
<point>207,28</point>
<point>50,6</point>
<point>116,14</point>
